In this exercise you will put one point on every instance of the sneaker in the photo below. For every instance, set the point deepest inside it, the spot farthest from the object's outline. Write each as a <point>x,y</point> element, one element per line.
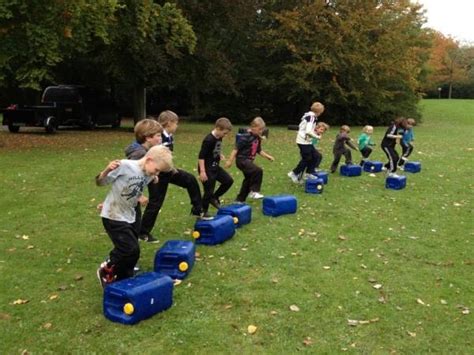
<point>310,176</point>
<point>147,237</point>
<point>384,168</point>
<point>105,274</point>
<point>215,203</point>
<point>136,269</point>
<point>293,177</point>
<point>393,175</point>
<point>205,216</point>
<point>255,195</point>
<point>401,168</point>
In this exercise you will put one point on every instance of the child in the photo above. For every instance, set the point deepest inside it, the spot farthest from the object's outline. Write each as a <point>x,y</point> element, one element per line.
<point>309,155</point>
<point>248,146</point>
<point>169,122</point>
<point>407,147</point>
<point>128,178</point>
<point>320,129</point>
<point>208,165</point>
<point>340,149</point>
<point>389,141</point>
<point>366,143</point>
<point>147,135</point>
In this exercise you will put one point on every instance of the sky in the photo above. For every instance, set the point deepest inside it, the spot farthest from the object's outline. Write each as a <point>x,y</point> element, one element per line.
<point>451,17</point>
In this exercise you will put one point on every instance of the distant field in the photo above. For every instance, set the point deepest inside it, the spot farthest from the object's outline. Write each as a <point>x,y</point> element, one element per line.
<point>416,243</point>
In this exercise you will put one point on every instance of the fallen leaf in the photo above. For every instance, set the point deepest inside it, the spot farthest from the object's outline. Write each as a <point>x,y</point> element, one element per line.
<point>352,322</point>
<point>20,301</point>
<point>62,288</point>
<point>443,302</point>
<point>228,306</point>
<point>177,282</point>
<point>47,325</point>
<point>377,286</point>
<point>53,297</point>
<point>326,267</point>
<point>307,341</point>
<point>363,266</point>
<point>273,313</point>
<point>251,329</point>
<point>371,280</point>
<point>30,247</point>
<point>78,277</point>
<point>341,237</point>
<point>412,334</point>
<point>420,301</point>
<point>25,237</point>
<point>294,308</point>
<point>465,311</point>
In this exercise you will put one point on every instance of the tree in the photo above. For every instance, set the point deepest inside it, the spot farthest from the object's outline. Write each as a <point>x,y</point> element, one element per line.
<point>37,35</point>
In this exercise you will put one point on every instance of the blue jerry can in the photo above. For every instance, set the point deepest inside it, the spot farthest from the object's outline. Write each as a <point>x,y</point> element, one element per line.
<point>242,213</point>
<point>314,186</point>
<point>175,258</point>
<point>323,175</point>
<point>131,300</point>
<point>279,205</point>
<point>350,170</point>
<point>412,167</point>
<point>373,166</point>
<point>397,182</point>
<point>214,231</point>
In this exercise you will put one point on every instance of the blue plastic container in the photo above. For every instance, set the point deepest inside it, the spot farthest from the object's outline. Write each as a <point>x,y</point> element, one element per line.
<point>396,182</point>
<point>215,231</point>
<point>279,205</point>
<point>324,175</point>
<point>351,170</point>
<point>314,186</point>
<point>242,213</point>
<point>131,300</point>
<point>373,166</point>
<point>412,167</point>
<point>175,258</point>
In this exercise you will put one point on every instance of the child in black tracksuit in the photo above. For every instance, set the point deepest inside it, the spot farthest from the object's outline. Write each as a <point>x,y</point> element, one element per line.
<point>340,149</point>
<point>157,192</point>
<point>389,141</point>
<point>208,166</point>
<point>247,147</point>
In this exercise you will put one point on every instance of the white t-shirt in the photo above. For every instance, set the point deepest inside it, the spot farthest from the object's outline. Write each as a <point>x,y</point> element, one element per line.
<point>306,128</point>
<point>128,182</point>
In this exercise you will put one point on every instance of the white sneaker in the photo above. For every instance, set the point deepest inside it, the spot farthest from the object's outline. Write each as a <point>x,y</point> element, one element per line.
<point>310,176</point>
<point>401,168</point>
<point>293,177</point>
<point>393,175</point>
<point>255,195</point>
<point>384,168</point>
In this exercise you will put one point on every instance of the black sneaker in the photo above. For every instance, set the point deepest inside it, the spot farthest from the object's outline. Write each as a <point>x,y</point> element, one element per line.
<point>215,203</point>
<point>105,274</point>
<point>195,212</point>
<point>147,237</point>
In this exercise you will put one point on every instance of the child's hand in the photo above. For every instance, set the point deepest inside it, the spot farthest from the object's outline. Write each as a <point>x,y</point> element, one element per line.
<point>203,176</point>
<point>271,158</point>
<point>99,206</point>
<point>113,165</point>
<point>222,157</point>
<point>142,200</point>
<point>155,179</point>
<point>228,164</point>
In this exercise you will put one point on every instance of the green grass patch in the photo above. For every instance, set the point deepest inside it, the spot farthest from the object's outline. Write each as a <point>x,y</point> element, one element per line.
<point>326,259</point>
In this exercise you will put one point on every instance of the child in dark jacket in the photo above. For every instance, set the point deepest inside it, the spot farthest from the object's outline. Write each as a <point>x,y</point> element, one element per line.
<point>247,147</point>
<point>340,149</point>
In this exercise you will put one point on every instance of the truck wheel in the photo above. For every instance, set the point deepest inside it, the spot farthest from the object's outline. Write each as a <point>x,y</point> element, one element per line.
<point>50,125</point>
<point>13,129</point>
<point>90,122</point>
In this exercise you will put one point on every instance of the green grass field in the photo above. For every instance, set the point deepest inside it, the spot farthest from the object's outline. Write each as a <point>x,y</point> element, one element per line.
<point>416,243</point>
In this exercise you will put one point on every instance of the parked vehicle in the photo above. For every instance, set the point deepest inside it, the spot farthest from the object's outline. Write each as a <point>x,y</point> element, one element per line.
<point>64,105</point>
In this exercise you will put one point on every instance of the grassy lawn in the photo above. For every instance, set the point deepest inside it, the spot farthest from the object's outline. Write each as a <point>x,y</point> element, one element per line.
<point>416,243</point>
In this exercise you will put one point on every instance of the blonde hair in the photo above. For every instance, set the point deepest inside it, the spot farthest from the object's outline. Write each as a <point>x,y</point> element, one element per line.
<point>257,122</point>
<point>411,121</point>
<point>146,128</point>
<point>162,156</point>
<point>322,124</point>
<point>345,128</point>
<point>367,128</point>
<point>166,117</point>
<point>223,123</point>
<point>317,107</point>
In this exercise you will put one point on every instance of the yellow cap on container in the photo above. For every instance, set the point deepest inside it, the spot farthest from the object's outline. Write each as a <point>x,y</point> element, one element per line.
<point>236,220</point>
<point>128,308</point>
<point>196,234</point>
<point>183,266</point>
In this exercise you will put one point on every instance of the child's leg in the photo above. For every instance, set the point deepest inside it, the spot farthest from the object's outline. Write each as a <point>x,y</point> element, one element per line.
<point>348,156</point>
<point>393,157</point>
<point>312,163</point>
<point>335,162</point>
<point>243,165</point>
<point>225,181</point>
<point>318,158</point>
<point>306,158</point>
<point>126,251</point>
<point>186,180</point>
<point>157,194</point>
<point>208,186</point>
<point>366,151</point>
<point>406,151</point>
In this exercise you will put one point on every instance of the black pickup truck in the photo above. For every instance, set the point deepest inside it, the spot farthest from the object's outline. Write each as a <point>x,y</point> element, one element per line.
<point>64,105</point>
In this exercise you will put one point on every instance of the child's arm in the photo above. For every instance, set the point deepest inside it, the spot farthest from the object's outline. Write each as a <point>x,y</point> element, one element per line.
<point>266,155</point>
<point>143,200</point>
<point>101,179</point>
<point>202,170</point>
<point>350,144</point>
<point>231,159</point>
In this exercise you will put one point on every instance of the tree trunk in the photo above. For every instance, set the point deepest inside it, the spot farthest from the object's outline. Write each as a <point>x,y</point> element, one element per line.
<point>139,103</point>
